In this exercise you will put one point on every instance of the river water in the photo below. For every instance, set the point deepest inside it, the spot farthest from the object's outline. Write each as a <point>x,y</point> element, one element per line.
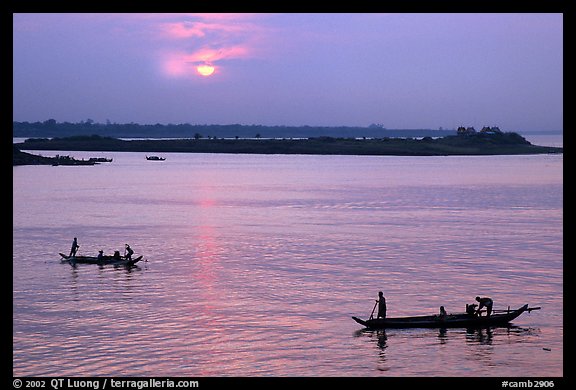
<point>255,265</point>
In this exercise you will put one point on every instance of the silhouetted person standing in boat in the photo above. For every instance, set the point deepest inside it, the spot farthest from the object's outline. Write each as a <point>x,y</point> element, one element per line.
<point>381,305</point>
<point>129,252</point>
<point>74,248</point>
<point>484,302</point>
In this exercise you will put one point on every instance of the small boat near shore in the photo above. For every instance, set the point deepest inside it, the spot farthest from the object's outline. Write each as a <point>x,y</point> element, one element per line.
<point>67,160</point>
<point>104,261</point>
<point>100,159</point>
<point>461,320</point>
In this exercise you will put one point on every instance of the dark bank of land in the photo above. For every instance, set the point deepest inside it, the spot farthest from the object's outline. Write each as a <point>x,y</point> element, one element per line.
<point>22,158</point>
<point>469,144</point>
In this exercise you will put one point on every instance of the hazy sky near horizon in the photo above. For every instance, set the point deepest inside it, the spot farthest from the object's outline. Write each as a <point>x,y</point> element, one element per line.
<point>401,70</point>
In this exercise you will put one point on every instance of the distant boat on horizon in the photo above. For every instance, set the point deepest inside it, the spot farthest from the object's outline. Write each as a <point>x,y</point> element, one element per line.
<point>155,158</point>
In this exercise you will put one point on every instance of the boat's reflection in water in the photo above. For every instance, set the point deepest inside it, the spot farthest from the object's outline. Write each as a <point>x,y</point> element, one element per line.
<point>482,336</point>
<point>512,333</point>
<point>416,342</point>
<point>381,339</point>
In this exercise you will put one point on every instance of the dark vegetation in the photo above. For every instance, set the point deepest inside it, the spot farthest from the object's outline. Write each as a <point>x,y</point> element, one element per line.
<point>51,128</point>
<point>473,144</point>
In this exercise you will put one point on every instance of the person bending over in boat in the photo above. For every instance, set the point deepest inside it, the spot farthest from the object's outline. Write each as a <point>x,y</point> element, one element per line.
<point>74,248</point>
<point>381,305</point>
<point>129,252</point>
<point>484,302</point>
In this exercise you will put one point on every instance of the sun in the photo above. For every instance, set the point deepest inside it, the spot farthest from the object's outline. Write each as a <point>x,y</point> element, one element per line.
<point>205,70</point>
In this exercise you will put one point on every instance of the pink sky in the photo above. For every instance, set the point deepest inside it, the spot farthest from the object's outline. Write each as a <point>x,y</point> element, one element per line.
<point>401,70</point>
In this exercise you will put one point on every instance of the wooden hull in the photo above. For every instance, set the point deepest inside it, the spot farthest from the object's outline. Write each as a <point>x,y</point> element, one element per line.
<point>450,321</point>
<point>105,261</point>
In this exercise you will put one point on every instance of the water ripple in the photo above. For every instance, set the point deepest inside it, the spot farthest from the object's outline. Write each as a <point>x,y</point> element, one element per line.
<point>255,273</point>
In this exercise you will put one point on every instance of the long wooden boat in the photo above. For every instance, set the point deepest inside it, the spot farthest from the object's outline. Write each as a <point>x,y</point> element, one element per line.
<point>462,320</point>
<point>67,160</point>
<point>104,261</point>
<point>100,159</point>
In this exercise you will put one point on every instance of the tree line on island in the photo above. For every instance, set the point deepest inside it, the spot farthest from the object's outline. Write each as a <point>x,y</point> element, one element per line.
<point>471,144</point>
<point>52,128</point>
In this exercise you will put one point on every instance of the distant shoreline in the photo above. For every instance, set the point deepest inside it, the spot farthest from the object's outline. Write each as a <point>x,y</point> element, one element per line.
<point>52,128</point>
<point>455,145</point>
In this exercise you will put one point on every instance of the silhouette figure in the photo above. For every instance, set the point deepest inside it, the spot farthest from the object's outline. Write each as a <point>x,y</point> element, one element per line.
<point>129,252</point>
<point>442,312</point>
<point>74,248</point>
<point>471,309</point>
<point>484,302</point>
<point>381,305</point>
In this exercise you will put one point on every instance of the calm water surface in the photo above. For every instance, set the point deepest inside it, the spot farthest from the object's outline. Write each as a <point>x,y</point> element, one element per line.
<point>255,265</point>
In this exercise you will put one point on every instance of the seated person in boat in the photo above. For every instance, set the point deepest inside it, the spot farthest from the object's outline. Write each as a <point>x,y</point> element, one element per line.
<point>471,309</point>
<point>484,302</point>
<point>116,255</point>
<point>100,255</point>
<point>381,305</point>
<point>442,313</point>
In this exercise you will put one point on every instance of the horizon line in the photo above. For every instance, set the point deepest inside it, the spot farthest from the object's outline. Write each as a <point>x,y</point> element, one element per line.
<point>371,126</point>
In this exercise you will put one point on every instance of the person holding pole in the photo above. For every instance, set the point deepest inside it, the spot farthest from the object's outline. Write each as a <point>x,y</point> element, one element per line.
<point>381,305</point>
<point>74,248</point>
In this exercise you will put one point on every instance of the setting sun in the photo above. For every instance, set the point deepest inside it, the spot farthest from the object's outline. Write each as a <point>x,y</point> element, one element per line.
<point>205,70</point>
